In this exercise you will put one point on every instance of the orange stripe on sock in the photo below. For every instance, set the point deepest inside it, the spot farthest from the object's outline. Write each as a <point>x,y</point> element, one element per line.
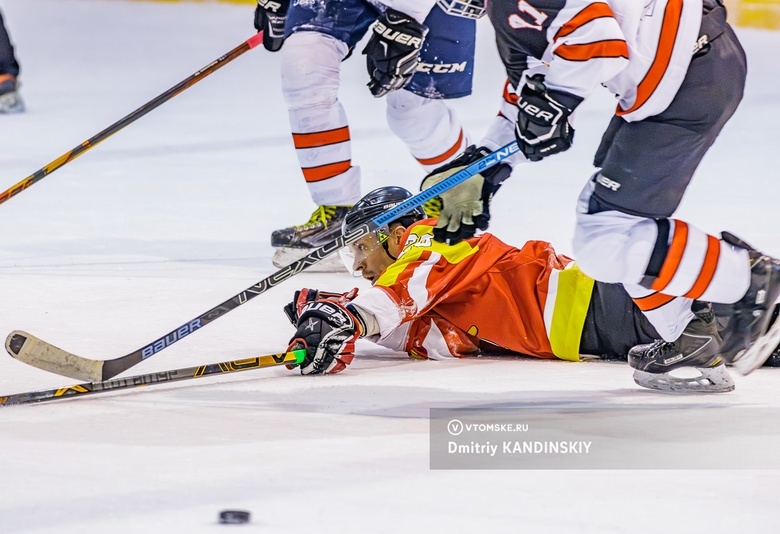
<point>590,13</point>
<point>323,172</point>
<point>673,256</point>
<point>317,139</point>
<point>707,270</point>
<point>663,56</point>
<point>584,52</point>
<point>454,149</point>
<point>653,301</point>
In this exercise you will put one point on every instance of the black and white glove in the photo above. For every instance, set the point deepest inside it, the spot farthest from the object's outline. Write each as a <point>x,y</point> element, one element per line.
<point>269,19</point>
<point>542,127</point>
<point>304,296</point>
<point>327,330</point>
<point>393,51</point>
<point>466,207</point>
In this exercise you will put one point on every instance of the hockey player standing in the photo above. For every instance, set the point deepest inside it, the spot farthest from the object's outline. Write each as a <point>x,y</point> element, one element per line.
<point>679,72</point>
<point>420,53</point>
<point>10,101</point>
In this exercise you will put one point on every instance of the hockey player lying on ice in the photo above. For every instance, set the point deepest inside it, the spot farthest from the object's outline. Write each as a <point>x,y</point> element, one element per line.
<point>478,297</point>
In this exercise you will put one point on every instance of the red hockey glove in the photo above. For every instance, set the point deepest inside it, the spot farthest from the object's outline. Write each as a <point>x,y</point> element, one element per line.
<point>327,330</point>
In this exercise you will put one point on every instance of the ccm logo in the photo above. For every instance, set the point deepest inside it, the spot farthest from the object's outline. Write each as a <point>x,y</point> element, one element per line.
<point>443,68</point>
<point>394,35</point>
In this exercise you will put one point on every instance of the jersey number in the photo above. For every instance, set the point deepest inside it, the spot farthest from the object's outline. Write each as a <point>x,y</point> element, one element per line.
<point>518,23</point>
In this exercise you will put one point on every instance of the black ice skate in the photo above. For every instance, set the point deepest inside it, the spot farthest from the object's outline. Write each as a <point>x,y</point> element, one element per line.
<point>295,242</point>
<point>10,101</point>
<point>750,317</point>
<point>697,348</point>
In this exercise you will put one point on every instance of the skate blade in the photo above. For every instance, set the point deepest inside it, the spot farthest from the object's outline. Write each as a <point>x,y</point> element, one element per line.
<point>759,352</point>
<point>710,380</point>
<point>284,256</point>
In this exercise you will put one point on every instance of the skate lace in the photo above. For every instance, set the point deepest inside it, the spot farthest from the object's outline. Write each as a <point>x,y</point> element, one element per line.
<point>661,348</point>
<point>321,216</point>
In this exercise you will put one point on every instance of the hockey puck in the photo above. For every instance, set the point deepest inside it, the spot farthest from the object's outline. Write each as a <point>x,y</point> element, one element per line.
<point>233,517</point>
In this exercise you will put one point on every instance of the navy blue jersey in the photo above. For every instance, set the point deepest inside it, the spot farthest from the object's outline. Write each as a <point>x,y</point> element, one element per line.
<point>446,60</point>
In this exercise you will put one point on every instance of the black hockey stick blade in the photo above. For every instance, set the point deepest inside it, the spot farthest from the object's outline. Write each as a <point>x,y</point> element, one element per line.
<point>38,353</point>
<point>159,377</point>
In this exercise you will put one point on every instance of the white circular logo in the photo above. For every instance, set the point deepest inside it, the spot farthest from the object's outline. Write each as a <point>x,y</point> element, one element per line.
<point>455,427</point>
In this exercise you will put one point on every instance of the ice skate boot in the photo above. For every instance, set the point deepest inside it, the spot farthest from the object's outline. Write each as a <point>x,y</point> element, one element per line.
<point>10,101</point>
<point>751,316</point>
<point>295,242</point>
<point>697,348</point>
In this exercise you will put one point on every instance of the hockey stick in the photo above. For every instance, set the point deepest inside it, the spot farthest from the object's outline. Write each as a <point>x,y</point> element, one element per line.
<point>14,190</point>
<point>38,353</point>
<point>175,375</point>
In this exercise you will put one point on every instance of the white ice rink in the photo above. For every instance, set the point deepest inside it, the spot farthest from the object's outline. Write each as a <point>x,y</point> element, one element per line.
<point>173,215</point>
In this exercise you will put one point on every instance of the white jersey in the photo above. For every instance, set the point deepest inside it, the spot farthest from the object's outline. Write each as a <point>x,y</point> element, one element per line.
<point>639,49</point>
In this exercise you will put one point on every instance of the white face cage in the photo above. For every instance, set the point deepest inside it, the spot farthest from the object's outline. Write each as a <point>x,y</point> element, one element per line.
<point>470,9</point>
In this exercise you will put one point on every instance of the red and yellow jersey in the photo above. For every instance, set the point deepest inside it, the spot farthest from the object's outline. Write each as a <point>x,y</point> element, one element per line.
<point>529,300</point>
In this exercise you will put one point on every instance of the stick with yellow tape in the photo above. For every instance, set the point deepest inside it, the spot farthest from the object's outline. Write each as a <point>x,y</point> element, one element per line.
<point>175,375</point>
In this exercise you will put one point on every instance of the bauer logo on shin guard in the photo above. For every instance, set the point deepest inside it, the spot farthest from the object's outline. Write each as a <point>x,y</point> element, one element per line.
<point>170,339</point>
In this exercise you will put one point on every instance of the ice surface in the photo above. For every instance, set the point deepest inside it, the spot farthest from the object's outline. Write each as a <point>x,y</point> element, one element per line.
<point>173,215</point>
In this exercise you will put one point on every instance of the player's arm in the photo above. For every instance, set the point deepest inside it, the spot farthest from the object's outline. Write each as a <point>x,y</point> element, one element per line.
<point>327,325</point>
<point>585,48</point>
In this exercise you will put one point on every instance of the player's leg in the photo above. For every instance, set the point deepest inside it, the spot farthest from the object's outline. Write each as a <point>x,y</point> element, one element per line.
<point>419,114</point>
<point>625,232</point>
<point>10,101</point>
<point>613,324</point>
<point>318,41</point>
<point>429,127</point>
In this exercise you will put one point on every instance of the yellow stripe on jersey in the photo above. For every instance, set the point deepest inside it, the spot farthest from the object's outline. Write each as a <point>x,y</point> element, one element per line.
<point>421,239</point>
<point>572,299</point>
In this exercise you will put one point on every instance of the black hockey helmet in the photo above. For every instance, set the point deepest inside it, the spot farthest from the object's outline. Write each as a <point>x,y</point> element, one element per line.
<point>376,203</point>
<point>367,208</point>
